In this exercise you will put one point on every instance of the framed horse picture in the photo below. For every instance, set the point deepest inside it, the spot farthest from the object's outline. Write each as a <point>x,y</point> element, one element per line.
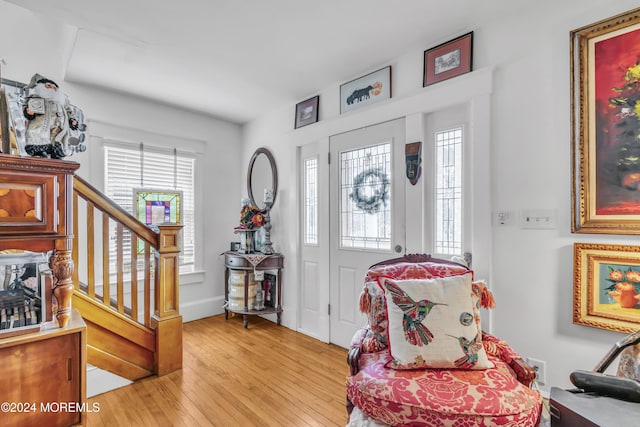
<point>366,90</point>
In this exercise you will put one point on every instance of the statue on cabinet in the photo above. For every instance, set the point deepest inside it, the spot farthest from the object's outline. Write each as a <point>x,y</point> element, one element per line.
<point>55,128</point>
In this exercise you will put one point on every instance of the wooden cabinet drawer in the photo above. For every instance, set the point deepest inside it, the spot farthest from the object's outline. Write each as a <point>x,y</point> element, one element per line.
<point>28,203</point>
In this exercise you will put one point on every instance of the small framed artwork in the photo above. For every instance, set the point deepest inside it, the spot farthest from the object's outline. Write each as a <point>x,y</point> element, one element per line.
<point>366,90</point>
<point>12,122</point>
<point>605,126</point>
<point>449,59</point>
<point>307,112</point>
<point>606,289</point>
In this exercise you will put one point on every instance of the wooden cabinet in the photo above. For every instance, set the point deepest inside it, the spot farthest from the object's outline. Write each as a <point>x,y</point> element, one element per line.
<point>36,215</point>
<point>244,267</point>
<point>44,377</point>
<point>42,373</point>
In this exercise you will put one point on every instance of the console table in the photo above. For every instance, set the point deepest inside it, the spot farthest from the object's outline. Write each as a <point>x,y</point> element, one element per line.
<point>248,263</point>
<point>36,215</point>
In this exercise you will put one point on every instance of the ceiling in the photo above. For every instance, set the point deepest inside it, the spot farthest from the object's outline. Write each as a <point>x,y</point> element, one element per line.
<point>238,59</point>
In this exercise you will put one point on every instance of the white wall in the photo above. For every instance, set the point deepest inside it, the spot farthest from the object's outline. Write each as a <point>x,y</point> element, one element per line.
<point>41,49</point>
<point>531,273</point>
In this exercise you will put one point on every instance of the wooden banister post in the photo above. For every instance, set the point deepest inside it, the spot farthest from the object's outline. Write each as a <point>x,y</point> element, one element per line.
<point>166,319</point>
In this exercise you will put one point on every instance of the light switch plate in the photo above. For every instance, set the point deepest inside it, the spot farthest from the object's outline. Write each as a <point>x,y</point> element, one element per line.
<point>538,218</point>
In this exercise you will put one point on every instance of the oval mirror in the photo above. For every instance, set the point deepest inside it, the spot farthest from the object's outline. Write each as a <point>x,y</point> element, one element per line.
<point>262,175</point>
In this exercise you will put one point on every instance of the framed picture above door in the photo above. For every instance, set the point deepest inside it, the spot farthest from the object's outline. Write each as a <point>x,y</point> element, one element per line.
<point>366,90</point>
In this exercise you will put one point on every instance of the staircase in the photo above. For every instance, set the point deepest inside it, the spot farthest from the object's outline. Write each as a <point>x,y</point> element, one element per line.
<point>126,287</point>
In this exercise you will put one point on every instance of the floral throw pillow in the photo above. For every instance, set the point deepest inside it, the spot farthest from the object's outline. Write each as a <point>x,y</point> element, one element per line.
<point>433,323</point>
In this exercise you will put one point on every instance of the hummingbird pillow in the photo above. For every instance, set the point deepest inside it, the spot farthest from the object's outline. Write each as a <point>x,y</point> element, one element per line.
<point>433,323</point>
<point>372,298</point>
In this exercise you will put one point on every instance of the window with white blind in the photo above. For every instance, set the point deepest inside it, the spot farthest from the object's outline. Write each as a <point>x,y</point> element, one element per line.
<point>147,167</point>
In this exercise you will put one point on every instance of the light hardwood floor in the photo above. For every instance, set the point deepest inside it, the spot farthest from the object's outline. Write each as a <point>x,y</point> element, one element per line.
<point>266,375</point>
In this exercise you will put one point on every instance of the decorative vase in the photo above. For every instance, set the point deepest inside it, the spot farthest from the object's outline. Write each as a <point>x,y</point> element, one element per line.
<point>247,241</point>
<point>625,294</point>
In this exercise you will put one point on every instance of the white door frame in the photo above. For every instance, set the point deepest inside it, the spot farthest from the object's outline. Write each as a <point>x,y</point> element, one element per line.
<point>473,90</point>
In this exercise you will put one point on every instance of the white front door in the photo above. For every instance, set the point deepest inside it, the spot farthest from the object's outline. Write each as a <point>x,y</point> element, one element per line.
<point>366,215</point>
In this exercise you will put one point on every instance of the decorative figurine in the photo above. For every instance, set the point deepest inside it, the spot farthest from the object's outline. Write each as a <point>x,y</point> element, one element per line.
<point>251,218</point>
<point>55,128</point>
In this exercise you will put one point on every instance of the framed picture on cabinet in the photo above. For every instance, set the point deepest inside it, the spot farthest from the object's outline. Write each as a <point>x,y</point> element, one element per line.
<point>366,90</point>
<point>606,288</point>
<point>447,60</point>
<point>605,104</point>
<point>25,292</point>
<point>12,121</point>
<point>307,112</point>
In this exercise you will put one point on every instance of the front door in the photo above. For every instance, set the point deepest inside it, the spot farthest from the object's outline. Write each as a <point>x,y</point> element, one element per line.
<point>367,203</point>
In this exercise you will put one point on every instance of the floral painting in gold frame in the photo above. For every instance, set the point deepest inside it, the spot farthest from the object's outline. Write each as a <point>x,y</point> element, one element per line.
<point>606,289</point>
<point>605,85</point>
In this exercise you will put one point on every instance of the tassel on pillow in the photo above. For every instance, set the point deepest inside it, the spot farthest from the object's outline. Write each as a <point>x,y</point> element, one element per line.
<point>481,290</point>
<point>365,301</point>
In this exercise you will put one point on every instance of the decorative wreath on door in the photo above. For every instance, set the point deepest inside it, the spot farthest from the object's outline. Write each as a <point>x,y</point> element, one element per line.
<point>370,190</point>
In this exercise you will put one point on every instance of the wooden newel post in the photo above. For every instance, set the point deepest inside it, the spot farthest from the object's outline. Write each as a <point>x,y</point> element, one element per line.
<point>166,319</point>
<point>61,264</point>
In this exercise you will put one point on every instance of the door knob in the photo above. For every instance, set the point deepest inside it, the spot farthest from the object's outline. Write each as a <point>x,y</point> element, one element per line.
<point>398,249</point>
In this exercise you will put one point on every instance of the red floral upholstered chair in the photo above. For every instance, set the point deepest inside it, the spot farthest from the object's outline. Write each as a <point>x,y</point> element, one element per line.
<point>422,359</point>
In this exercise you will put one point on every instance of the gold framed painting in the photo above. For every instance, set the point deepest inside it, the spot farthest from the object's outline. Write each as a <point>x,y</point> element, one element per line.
<point>606,289</point>
<point>605,86</point>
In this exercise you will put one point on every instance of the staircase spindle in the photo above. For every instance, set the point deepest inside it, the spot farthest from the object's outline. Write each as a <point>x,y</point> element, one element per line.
<point>134,277</point>
<point>120,268</point>
<point>147,285</point>
<point>106,291</point>
<point>91,268</point>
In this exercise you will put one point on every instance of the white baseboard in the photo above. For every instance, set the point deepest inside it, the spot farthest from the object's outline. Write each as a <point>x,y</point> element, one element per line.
<point>202,308</point>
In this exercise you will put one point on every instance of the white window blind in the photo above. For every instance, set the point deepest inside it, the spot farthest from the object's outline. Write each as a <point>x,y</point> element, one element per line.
<point>153,168</point>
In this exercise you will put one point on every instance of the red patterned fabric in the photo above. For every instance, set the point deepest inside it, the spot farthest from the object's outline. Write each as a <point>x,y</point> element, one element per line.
<point>412,270</point>
<point>498,348</point>
<point>442,397</point>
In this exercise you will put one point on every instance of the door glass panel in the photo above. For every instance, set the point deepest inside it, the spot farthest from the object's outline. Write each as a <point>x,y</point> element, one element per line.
<point>311,201</point>
<point>449,192</point>
<point>365,194</point>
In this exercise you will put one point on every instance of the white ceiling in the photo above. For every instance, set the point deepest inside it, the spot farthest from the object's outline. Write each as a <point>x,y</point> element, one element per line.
<point>237,59</point>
